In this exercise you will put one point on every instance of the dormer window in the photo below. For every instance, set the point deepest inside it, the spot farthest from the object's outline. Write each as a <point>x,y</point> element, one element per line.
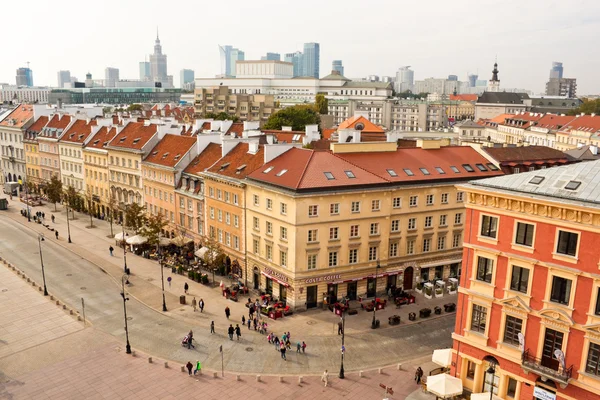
<point>224,166</point>
<point>122,139</point>
<point>240,168</point>
<point>165,155</point>
<point>136,140</point>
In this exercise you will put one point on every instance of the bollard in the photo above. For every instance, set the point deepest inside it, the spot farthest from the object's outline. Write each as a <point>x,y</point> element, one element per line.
<point>51,297</point>
<point>360,374</point>
<point>33,284</point>
<point>40,289</point>
<point>300,379</point>
<point>399,367</point>
<point>132,353</point>
<point>257,378</point>
<point>28,280</point>
<point>64,306</point>
<point>71,312</point>
<point>166,364</point>
<point>379,371</point>
<point>183,368</point>
<point>150,360</point>
<point>281,379</point>
<point>215,375</point>
<point>237,378</point>
<point>79,318</point>
<point>57,303</point>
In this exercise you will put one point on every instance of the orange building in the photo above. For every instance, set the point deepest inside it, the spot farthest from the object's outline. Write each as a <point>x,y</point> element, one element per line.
<point>32,151</point>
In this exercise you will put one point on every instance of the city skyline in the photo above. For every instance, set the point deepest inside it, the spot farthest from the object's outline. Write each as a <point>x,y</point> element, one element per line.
<point>537,36</point>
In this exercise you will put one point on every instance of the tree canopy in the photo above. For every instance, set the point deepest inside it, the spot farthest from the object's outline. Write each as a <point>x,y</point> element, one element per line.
<point>588,107</point>
<point>154,224</point>
<point>222,116</point>
<point>407,94</point>
<point>321,104</point>
<point>135,218</point>
<point>296,116</point>
<point>135,107</point>
<point>54,190</point>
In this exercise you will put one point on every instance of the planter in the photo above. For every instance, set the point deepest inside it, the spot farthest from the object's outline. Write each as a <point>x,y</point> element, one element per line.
<point>424,312</point>
<point>437,310</point>
<point>450,307</point>
<point>419,288</point>
<point>412,316</point>
<point>439,292</point>
<point>180,270</point>
<point>428,293</point>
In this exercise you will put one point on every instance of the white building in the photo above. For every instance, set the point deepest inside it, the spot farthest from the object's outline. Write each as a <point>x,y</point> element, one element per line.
<point>24,94</point>
<point>264,69</point>
<point>11,142</point>
<point>405,78</point>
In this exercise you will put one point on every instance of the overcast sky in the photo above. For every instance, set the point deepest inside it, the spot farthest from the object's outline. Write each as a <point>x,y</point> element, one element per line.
<point>435,37</point>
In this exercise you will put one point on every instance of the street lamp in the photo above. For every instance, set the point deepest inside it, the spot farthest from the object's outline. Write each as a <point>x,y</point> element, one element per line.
<point>343,348</point>
<point>68,226</point>
<point>125,269</point>
<point>162,274</point>
<point>492,372</point>
<point>373,324</point>
<point>40,240</point>
<point>26,200</point>
<point>124,278</point>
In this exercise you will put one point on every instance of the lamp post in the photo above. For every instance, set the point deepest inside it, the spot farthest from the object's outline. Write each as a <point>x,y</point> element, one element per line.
<point>40,240</point>
<point>492,372</point>
<point>125,269</point>
<point>343,348</point>
<point>162,274</point>
<point>124,278</point>
<point>27,201</point>
<point>68,226</point>
<point>373,325</point>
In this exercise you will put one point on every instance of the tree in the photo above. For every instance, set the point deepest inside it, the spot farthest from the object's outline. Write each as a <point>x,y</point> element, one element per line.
<point>154,225</point>
<point>89,197</point>
<point>212,254</point>
<point>587,107</point>
<point>135,107</point>
<point>107,110</point>
<point>70,196</point>
<point>296,116</point>
<point>111,205</point>
<point>321,104</point>
<point>222,116</point>
<point>135,218</point>
<point>54,190</point>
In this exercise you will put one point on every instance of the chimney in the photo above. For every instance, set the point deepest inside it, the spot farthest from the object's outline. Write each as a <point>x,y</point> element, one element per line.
<point>253,147</point>
<point>286,128</point>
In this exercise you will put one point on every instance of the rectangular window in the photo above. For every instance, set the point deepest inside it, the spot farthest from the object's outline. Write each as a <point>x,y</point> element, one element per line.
<point>457,218</point>
<point>255,246</point>
<point>352,256</point>
<point>597,310</point>
<point>334,208</point>
<point>394,249</point>
<point>410,247</point>
<point>374,229</point>
<point>592,365</point>
<point>353,231</point>
<point>283,208</point>
<point>429,200</point>
<point>283,258</point>
<point>283,233</point>
<point>511,388</point>
<point>255,223</point>
<point>567,243</point>
<point>478,318</point>
<point>269,204</point>
<point>561,290</point>
<point>220,215</point>
<point>485,269</point>
<point>444,198</point>
<point>219,194</point>
<point>375,205</point>
<point>228,218</point>
<point>426,245</point>
<point>236,241</point>
<point>235,199</point>
<point>269,251</point>
<point>227,238</point>
<point>269,228</point>
<point>355,207</point>
<point>334,233</point>
<point>311,261</point>
<point>412,201</point>
<point>373,250</point>
<point>312,235</point>
<point>489,226</point>
<point>333,258</point>
<point>395,225</point>
<point>236,221</point>
<point>460,196</point>
<point>313,211</point>
<point>471,370</point>
<point>441,244</point>
<point>412,224</point>
<point>397,202</point>
<point>512,329</point>
<point>443,220</point>
<point>428,221</point>
<point>255,200</point>
<point>456,240</point>
<point>227,197</point>
<point>524,234</point>
<point>519,280</point>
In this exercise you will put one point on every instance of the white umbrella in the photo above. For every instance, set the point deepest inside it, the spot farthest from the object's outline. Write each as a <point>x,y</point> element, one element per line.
<point>181,241</point>
<point>119,236</point>
<point>444,385</point>
<point>137,239</point>
<point>164,241</point>
<point>442,357</point>
<point>484,396</point>
<point>201,252</point>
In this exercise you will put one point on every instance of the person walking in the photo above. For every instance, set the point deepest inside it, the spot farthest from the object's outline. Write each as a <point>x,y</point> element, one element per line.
<point>243,320</point>
<point>201,305</point>
<point>212,327</point>
<point>340,328</point>
<point>303,347</point>
<point>52,218</point>
<point>282,351</point>
<point>276,342</point>
<point>230,332</point>
<point>418,375</point>
<point>238,331</point>
<point>288,344</point>
<point>186,287</point>
<point>190,338</point>
<point>189,367</point>
<point>249,322</point>
<point>325,378</point>
<point>255,323</point>
<point>110,250</point>
<point>194,304</point>
<point>227,312</point>
<point>198,367</point>
<point>56,234</point>
<point>169,281</point>
<point>298,347</point>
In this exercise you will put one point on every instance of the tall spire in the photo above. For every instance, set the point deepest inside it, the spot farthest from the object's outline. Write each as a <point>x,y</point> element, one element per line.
<point>157,33</point>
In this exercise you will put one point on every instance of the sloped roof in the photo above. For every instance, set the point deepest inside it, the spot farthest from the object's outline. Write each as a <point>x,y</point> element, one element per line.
<point>586,123</point>
<point>102,137</point>
<point>235,130</point>
<point>369,127</point>
<point>582,153</point>
<point>238,163</point>
<point>524,153</point>
<point>170,149</point>
<point>464,97</point>
<point>59,121</point>
<point>204,160</point>
<point>502,97</point>
<point>79,131</point>
<point>134,136</point>
<point>553,121</point>
<point>19,116</point>
<point>367,85</point>
<point>39,124</point>
<point>335,76</point>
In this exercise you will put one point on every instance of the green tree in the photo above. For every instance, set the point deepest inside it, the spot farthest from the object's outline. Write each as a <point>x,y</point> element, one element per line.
<point>107,110</point>
<point>154,225</point>
<point>321,104</point>
<point>296,116</point>
<point>54,190</point>
<point>212,255</point>
<point>70,196</point>
<point>112,206</point>
<point>135,218</point>
<point>587,107</point>
<point>222,116</point>
<point>135,107</point>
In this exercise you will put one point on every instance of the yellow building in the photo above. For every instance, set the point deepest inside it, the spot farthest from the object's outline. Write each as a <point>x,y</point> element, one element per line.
<point>32,151</point>
<point>320,223</point>
<point>95,164</point>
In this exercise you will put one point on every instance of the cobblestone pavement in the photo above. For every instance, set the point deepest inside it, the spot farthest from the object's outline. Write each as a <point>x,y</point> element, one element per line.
<point>87,270</point>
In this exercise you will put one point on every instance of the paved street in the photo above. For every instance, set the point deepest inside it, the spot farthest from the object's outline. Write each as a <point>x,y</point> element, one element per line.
<point>85,269</point>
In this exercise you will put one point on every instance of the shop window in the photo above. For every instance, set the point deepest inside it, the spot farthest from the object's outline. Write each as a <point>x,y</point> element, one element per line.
<point>471,370</point>
<point>485,269</point>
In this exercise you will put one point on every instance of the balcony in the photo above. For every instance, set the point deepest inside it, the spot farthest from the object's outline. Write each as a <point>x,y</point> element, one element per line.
<point>560,375</point>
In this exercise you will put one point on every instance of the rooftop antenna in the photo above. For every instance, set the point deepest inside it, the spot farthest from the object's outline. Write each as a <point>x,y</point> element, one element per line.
<point>27,64</point>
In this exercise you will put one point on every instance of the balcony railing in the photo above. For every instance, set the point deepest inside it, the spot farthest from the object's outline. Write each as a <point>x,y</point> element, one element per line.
<point>530,363</point>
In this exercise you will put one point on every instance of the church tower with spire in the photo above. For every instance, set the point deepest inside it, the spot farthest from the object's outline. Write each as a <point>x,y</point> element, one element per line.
<point>494,83</point>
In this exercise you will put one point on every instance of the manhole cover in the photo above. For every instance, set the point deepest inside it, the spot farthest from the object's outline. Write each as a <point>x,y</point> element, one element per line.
<point>311,322</point>
<point>83,288</point>
<point>69,274</point>
<point>4,290</point>
<point>249,349</point>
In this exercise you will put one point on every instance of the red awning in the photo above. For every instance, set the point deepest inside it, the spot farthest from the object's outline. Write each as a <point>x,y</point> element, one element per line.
<point>275,279</point>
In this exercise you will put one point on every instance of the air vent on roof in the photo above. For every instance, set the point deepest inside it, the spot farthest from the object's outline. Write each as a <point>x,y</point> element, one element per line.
<point>80,137</point>
<point>165,155</point>
<point>266,171</point>
<point>468,168</point>
<point>359,127</point>
<point>329,176</point>
<point>224,166</point>
<point>392,172</point>
<point>177,157</point>
<point>283,171</point>
<point>424,171</point>
<point>240,168</point>
<point>440,170</point>
<point>122,139</point>
<point>154,153</point>
<point>96,141</point>
<point>136,140</point>
<point>492,167</point>
<point>408,172</point>
<point>572,185</point>
<point>453,168</point>
<point>105,143</point>
<point>350,174</point>
<point>536,180</point>
<point>71,135</point>
<point>481,167</point>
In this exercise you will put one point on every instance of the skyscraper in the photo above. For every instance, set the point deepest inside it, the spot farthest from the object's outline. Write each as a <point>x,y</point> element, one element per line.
<point>336,65</point>
<point>271,57</point>
<point>229,56</point>
<point>24,77</point>
<point>64,77</point>
<point>111,77</point>
<point>312,58</point>
<point>158,63</point>
<point>472,80</point>
<point>404,79</point>
<point>557,70</point>
<point>297,59</point>
<point>186,76</point>
<point>145,71</point>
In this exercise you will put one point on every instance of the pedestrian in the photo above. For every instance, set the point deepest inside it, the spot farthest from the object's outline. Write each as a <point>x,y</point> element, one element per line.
<point>201,305</point>
<point>110,250</point>
<point>288,344</point>
<point>298,347</point>
<point>282,350</point>
<point>230,332</point>
<point>249,322</point>
<point>198,368</point>
<point>284,337</point>
<point>212,327</point>
<point>288,336</point>
<point>303,347</point>
<point>169,281</point>
<point>325,378</point>
<point>52,218</point>
<point>255,323</point>
<point>43,215</point>
<point>190,338</point>
<point>238,331</point>
<point>189,366</point>
<point>269,338</point>
<point>251,311</point>
<point>340,328</point>
<point>194,304</point>
<point>227,312</point>
<point>243,320</point>
<point>276,342</point>
<point>186,287</point>
<point>56,234</point>
<point>418,375</point>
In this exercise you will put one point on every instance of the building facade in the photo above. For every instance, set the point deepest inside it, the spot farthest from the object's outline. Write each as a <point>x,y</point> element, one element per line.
<point>529,298</point>
<point>12,127</point>
<point>24,94</point>
<point>70,147</point>
<point>122,95</point>
<point>24,77</point>
<point>32,152</point>
<point>562,87</point>
<point>95,161</point>
<point>247,107</point>
<point>48,144</point>
<point>311,59</point>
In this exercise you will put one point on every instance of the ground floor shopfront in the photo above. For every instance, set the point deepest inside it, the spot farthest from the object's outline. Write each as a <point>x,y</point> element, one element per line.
<point>327,288</point>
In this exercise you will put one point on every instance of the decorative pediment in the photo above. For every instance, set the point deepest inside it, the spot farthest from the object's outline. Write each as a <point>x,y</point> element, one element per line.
<point>593,330</point>
<point>515,303</point>
<point>556,316</point>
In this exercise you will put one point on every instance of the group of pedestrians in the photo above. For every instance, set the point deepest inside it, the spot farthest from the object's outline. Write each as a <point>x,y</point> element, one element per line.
<point>231,330</point>
<point>200,304</point>
<point>285,344</point>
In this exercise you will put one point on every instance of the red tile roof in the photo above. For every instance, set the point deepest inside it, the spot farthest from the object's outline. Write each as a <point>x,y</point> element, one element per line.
<point>205,125</point>
<point>236,129</point>
<point>102,137</point>
<point>134,136</point>
<point>522,120</point>
<point>59,121</point>
<point>18,117</point>
<point>286,136</point>
<point>238,163</point>
<point>584,123</point>
<point>553,121</point>
<point>204,160</point>
<point>39,124</point>
<point>525,153</point>
<point>79,131</point>
<point>464,97</point>
<point>369,127</point>
<point>328,132</point>
<point>170,150</point>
